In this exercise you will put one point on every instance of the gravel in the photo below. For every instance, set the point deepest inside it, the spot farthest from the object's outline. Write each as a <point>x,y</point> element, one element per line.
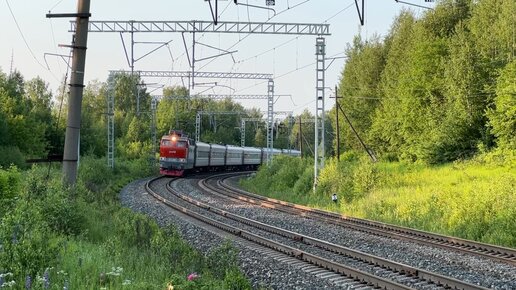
<point>265,272</point>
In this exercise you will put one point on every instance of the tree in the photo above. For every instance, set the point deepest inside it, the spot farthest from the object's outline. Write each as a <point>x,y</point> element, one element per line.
<point>503,116</point>
<point>359,90</point>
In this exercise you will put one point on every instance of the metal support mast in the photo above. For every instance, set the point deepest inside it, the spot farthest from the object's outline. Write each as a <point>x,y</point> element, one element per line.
<point>242,128</point>
<point>73,124</point>
<point>197,127</point>
<point>270,119</point>
<point>320,52</point>
<point>153,126</point>
<point>111,121</point>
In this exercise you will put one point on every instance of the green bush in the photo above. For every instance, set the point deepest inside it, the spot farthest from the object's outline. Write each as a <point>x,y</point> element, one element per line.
<point>234,280</point>
<point>11,155</point>
<point>95,174</point>
<point>364,177</point>
<point>61,212</point>
<point>27,244</point>
<point>180,256</point>
<point>9,189</point>
<point>222,259</point>
<point>304,183</point>
<point>137,230</point>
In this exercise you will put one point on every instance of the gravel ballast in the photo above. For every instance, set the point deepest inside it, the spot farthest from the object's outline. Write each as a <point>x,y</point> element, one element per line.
<point>263,271</point>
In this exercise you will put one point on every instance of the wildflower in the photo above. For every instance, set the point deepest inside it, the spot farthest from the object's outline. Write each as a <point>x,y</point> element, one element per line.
<point>14,238</point>
<point>65,287</point>
<point>115,271</point>
<point>8,284</point>
<point>28,282</point>
<point>46,279</point>
<point>192,276</point>
<point>126,282</point>
<point>170,286</point>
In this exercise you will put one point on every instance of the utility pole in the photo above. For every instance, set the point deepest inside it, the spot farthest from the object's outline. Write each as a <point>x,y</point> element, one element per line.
<point>300,137</point>
<point>337,121</point>
<point>73,123</point>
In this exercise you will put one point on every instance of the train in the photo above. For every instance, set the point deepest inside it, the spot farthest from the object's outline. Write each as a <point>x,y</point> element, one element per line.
<point>180,155</point>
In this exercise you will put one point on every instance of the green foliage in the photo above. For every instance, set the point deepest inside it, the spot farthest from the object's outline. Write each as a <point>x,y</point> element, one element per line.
<point>61,212</point>
<point>234,280</point>
<point>9,188</point>
<point>11,155</point>
<point>283,174</point>
<point>470,199</point>
<point>503,116</point>
<point>137,230</point>
<point>179,255</point>
<point>422,94</point>
<point>94,174</point>
<point>27,243</point>
<point>222,260</point>
<point>49,229</point>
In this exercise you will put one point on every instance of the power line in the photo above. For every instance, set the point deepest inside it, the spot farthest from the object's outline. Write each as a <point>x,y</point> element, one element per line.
<point>345,8</point>
<point>55,5</point>
<point>25,40</point>
<point>248,34</point>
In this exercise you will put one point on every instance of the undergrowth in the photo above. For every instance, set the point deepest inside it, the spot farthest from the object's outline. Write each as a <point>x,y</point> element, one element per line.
<point>472,199</point>
<point>54,237</point>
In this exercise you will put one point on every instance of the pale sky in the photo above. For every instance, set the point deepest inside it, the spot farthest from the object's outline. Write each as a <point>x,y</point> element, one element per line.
<point>105,51</point>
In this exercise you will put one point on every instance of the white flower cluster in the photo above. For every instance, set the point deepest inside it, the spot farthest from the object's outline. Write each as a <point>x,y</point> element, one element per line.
<point>126,282</point>
<point>115,271</point>
<point>6,284</point>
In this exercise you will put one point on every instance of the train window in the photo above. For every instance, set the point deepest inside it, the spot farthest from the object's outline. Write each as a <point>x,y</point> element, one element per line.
<point>181,144</point>
<point>165,142</point>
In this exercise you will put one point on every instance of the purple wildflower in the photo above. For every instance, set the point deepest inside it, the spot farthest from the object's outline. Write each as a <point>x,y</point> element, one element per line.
<point>192,276</point>
<point>15,234</point>
<point>14,238</point>
<point>28,282</point>
<point>46,279</point>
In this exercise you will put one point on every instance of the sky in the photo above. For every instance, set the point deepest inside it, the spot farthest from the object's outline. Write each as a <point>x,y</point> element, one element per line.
<point>29,38</point>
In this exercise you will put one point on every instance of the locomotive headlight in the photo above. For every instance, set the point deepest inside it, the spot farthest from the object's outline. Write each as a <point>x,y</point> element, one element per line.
<point>182,160</point>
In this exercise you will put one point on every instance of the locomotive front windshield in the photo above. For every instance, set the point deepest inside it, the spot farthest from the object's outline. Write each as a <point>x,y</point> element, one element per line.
<point>170,143</point>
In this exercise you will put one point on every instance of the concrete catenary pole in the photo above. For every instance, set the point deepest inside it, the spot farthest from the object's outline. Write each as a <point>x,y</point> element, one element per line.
<point>73,123</point>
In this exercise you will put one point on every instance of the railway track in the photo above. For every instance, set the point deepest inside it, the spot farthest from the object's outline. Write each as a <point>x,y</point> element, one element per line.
<point>220,185</point>
<point>368,271</point>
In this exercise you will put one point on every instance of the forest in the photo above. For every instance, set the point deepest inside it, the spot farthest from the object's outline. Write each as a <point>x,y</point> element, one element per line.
<point>437,88</point>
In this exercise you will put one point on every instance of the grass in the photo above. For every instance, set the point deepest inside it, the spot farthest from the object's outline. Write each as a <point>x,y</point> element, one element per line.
<point>473,199</point>
<point>53,237</point>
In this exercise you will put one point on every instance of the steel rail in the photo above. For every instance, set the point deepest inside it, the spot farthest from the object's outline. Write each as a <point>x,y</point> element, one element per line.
<point>358,275</point>
<point>420,274</point>
<point>498,253</point>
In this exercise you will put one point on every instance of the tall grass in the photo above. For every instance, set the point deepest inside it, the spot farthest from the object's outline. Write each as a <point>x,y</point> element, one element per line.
<point>474,199</point>
<point>53,237</point>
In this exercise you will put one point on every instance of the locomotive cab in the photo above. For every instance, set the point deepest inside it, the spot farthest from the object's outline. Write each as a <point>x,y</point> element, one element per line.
<point>176,154</point>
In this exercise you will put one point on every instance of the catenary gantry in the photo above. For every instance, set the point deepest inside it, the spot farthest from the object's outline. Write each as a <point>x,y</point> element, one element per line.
<point>206,26</point>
